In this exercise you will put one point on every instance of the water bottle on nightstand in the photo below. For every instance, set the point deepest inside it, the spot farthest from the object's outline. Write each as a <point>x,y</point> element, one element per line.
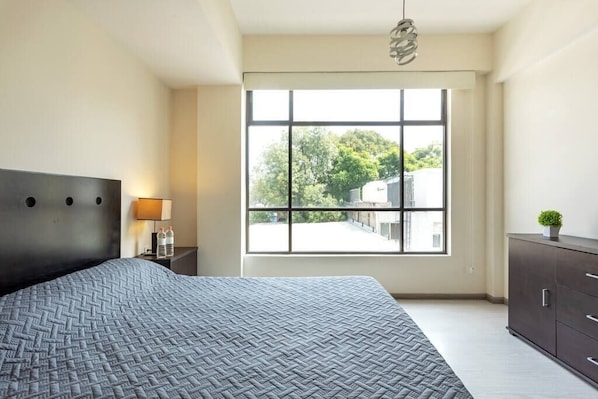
<point>169,241</point>
<point>161,250</point>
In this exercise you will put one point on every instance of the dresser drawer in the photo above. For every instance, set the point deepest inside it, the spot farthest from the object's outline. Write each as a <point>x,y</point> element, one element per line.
<point>578,270</point>
<point>578,351</point>
<point>578,310</point>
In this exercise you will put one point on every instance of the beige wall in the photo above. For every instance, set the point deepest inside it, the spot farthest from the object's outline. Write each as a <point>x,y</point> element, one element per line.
<point>74,102</point>
<point>219,219</point>
<point>549,117</point>
<point>400,274</point>
<point>543,29</point>
<point>495,232</point>
<point>183,166</point>
<point>363,53</point>
<point>66,109</point>
<point>422,274</point>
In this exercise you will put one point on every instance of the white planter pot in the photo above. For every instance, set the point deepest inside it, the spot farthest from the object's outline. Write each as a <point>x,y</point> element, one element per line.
<point>551,231</point>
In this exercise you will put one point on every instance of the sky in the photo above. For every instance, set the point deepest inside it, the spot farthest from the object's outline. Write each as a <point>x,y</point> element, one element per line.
<point>347,105</point>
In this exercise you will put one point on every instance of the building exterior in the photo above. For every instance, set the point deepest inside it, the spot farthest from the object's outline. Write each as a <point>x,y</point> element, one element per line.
<point>423,189</point>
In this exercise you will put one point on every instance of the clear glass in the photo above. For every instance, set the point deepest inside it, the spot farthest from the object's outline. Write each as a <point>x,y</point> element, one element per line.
<point>344,166</point>
<point>268,159</point>
<point>353,232</point>
<point>336,168</point>
<point>423,105</point>
<point>423,231</point>
<point>424,176</point>
<point>270,105</point>
<point>268,231</point>
<point>346,105</point>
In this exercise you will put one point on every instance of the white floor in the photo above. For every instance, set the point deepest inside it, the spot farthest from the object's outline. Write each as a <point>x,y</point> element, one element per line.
<point>471,336</point>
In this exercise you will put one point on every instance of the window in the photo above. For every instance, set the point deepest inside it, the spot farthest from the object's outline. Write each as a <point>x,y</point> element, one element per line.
<point>346,171</point>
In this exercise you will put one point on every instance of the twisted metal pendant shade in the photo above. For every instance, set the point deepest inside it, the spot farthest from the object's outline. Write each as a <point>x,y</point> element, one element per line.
<point>403,41</point>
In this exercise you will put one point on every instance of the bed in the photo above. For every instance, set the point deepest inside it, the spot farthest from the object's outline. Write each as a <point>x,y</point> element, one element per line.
<point>129,328</point>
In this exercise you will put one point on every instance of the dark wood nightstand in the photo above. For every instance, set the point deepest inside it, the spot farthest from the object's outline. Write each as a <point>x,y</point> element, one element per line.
<point>184,260</point>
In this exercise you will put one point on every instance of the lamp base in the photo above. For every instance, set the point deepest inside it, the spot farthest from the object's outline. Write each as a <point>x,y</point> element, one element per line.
<point>154,243</point>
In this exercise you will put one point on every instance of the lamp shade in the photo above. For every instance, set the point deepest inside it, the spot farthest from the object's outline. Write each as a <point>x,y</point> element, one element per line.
<point>154,209</point>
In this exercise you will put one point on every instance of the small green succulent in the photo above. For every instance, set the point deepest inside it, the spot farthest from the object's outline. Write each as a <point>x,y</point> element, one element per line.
<point>550,218</point>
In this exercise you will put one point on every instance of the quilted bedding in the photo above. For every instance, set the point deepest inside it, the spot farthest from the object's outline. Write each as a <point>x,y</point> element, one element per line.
<point>133,329</point>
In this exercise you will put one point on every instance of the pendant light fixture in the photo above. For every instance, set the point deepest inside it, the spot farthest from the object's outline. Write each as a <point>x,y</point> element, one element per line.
<point>403,41</point>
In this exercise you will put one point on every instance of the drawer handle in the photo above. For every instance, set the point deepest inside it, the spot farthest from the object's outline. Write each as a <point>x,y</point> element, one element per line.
<point>545,295</point>
<point>592,275</point>
<point>593,318</point>
<point>592,360</point>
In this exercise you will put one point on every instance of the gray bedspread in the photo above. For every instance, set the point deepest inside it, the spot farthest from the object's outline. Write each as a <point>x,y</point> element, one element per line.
<point>132,329</point>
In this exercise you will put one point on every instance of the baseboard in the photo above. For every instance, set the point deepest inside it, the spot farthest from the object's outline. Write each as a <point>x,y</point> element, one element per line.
<point>438,296</point>
<point>499,300</point>
<point>489,298</point>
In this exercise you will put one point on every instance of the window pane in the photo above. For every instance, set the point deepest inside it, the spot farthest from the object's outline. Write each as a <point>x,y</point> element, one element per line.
<point>423,104</point>
<point>346,105</point>
<point>268,231</point>
<point>315,231</point>
<point>268,166</point>
<point>333,187</point>
<point>271,105</point>
<point>424,178</point>
<point>339,166</point>
<point>423,231</point>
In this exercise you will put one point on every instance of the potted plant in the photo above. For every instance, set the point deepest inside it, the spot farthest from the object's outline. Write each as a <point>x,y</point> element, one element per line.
<point>552,221</point>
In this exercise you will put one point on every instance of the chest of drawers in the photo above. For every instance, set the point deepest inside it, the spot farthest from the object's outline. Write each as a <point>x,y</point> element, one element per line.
<point>553,298</point>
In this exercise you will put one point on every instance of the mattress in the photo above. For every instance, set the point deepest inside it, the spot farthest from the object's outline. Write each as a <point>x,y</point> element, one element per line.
<point>129,328</point>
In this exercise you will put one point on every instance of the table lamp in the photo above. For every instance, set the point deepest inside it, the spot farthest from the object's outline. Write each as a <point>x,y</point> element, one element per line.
<point>156,209</point>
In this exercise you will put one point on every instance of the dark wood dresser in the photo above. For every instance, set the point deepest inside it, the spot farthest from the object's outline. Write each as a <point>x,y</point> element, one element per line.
<point>553,298</point>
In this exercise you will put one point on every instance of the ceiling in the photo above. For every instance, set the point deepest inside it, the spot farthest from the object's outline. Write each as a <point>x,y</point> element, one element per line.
<point>371,17</point>
<point>183,41</point>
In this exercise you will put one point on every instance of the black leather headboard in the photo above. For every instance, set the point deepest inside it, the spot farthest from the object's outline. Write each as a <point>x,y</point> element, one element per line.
<point>52,225</point>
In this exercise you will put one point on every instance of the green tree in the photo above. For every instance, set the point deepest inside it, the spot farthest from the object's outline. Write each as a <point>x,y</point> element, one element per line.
<point>429,156</point>
<point>351,170</point>
<point>390,163</point>
<point>313,152</point>
<point>367,142</point>
<point>326,168</point>
<point>270,177</point>
<point>316,195</point>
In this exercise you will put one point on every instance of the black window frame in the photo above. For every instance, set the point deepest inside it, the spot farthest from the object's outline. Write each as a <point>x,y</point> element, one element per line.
<point>403,209</point>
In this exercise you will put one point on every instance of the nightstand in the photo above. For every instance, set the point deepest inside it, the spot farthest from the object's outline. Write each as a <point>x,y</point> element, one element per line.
<point>184,260</point>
